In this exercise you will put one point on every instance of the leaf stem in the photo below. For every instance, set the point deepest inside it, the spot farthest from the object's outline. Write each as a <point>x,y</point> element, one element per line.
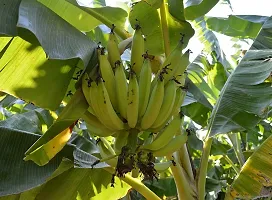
<point>164,27</point>
<point>105,141</point>
<point>236,142</point>
<point>184,189</point>
<point>137,185</point>
<point>203,168</point>
<point>232,164</point>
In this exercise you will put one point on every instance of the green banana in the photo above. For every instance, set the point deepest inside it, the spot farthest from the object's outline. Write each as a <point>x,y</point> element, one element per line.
<point>154,104</point>
<point>172,146</point>
<point>144,86</point>
<point>180,95</point>
<point>173,62</point>
<point>124,44</point>
<point>120,141</point>
<point>106,107</point>
<point>108,76</point>
<point>95,103</point>
<point>167,104</point>
<point>165,136</point>
<point>121,88</point>
<point>162,166</point>
<point>183,65</point>
<point>86,91</point>
<point>95,126</point>
<point>137,50</point>
<point>105,154</point>
<point>132,100</point>
<point>113,50</point>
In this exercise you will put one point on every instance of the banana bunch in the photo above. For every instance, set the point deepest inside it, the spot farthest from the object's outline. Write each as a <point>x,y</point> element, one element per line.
<point>125,97</point>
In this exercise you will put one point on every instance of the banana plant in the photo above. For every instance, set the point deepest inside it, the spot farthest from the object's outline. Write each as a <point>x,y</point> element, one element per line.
<point>141,116</point>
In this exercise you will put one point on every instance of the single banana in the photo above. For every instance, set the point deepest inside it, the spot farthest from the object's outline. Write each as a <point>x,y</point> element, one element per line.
<point>144,86</point>
<point>179,72</point>
<point>106,108</point>
<point>137,50</point>
<point>165,136</point>
<point>120,141</point>
<point>175,144</point>
<point>154,104</point>
<point>167,104</point>
<point>180,95</point>
<point>132,100</point>
<point>86,91</point>
<point>121,88</point>
<point>108,76</point>
<point>95,126</point>
<point>47,151</point>
<point>105,154</point>
<point>113,50</point>
<point>162,166</point>
<point>124,44</point>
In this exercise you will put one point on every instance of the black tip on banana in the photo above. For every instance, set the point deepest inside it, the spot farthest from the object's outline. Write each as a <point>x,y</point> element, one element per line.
<point>112,28</point>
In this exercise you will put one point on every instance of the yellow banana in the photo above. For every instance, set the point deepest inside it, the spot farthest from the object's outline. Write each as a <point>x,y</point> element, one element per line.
<point>108,76</point>
<point>132,100</point>
<point>137,50</point>
<point>174,144</point>
<point>144,86</point>
<point>121,89</point>
<point>167,104</point>
<point>106,108</point>
<point>164,137</point>
<point>95,126</point>
<point>154,104</point>
<point>124,44</point>
<point>120,141</point>
<point>113,50</point>
<point>47,151</point>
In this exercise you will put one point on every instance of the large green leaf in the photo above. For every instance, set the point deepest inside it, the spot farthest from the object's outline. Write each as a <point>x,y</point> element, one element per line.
<point>245,98</point>
<point>9,16</point>
<point>83,184</point>
<point>237,26</point>
<point>38,80</point>
<point>254,180</point>
<point>17,175</point>
<point>81,19</point>
<point>197,8</point>
<point>59,39</point>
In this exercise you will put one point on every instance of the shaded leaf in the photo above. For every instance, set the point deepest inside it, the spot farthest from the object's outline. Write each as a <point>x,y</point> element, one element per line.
<point>245,94</point>
<point>195,8</point>
<point>59,39</point>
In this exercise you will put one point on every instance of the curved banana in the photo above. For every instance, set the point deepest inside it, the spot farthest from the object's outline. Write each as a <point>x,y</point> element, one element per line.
<point>106,108</point>
<point>179,72</point>
<point>163,166</point>
<point>144,86</point>
<point>132,100</point>
<point>105,154</point>
<point>120,141</point>
<point>172,146</point>
<point>121,88</point>
<point>108,77</point>
<point>113,50</point>
<point>137,50</point>
<point>180,95</point>
<point>164,137</point>
<point>154,104</point>
<point>124,44</point>
<point>95,126</point>
<point>167,104</point>
<point>85,87</point>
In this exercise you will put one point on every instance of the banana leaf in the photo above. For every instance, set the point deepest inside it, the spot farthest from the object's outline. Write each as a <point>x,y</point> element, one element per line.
<point>247,94</point>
